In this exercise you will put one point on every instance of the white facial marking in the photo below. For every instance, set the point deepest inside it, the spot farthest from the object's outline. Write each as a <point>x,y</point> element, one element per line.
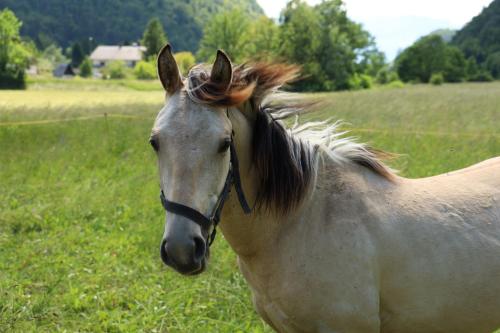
<point>192,167</point>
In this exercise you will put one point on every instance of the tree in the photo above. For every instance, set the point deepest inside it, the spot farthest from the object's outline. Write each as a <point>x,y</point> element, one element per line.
<point>265,35</point>
<point>343,43</point>
<point>325,42</point>
<point>49,58</point>
<point>229,31</point>
<point>77,54</point>
<point>454,65</point>
<point>154,37</point>
<point>431,55</point>
<point>86,68</point>
<point>493,64</point>
<point>300,41</point>
<point>372,61</point>
<point>14,54</point>
<point>471,68</point>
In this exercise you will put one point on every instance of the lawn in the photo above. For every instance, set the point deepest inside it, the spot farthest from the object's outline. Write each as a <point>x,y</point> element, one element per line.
<point>81,223</point>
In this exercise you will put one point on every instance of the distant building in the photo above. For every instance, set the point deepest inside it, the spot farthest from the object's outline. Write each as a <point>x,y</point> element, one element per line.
<point>32,70</point>
<point>106,53</point>
<point>63,70</point>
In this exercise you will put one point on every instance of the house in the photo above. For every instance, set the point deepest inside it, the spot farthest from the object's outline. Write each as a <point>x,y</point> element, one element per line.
<point>63,70</point>
<point>106,53</point>
<point>32,70</point>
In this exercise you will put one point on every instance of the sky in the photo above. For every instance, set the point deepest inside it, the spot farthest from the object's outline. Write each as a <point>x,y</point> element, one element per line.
<point>396,24</point>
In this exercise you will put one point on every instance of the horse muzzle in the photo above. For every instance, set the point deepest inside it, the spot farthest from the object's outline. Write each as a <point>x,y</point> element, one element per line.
<point>188,256</point>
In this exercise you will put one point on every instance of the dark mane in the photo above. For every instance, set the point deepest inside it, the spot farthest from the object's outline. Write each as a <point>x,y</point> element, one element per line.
<point>284,161</point>
<point>284,164</point>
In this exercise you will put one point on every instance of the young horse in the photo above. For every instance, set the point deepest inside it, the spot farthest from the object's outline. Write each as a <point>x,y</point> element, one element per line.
<point>335,241</point>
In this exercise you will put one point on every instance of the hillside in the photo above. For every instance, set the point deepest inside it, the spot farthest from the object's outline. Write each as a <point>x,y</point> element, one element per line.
<point>480,38</point>
<point>446,34</point>
<point>118,21</point>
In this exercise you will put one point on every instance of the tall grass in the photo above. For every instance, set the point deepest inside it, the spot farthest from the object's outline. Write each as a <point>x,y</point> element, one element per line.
<point>80,219</point>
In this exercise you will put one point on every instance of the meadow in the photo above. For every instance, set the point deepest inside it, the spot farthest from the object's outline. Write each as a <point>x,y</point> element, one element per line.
<point>81,222</point>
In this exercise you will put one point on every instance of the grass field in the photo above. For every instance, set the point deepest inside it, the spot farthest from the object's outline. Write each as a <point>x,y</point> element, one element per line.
<point>80,219</point>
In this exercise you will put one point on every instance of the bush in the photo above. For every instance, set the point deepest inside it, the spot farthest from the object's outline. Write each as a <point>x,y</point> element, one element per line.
<point>366,81</point>
<point>49,59</point>
<point>86,68</point>
<point>396,84</point>
<point>385,76</point>
<point>12,80</point>
<point>115,70</point>
<point>145,70</point>
<point>393,76</point>
<point>481,76</point>
<point>437,79</point>
<point>360,81</point>
<point>185,60</point>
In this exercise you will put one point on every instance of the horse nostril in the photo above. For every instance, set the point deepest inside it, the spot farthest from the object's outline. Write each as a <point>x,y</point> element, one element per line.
<point>163,252</point>
<point>199,248</point>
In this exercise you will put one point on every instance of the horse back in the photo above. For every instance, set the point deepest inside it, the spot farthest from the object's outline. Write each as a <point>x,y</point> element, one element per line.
<point>439,247</point>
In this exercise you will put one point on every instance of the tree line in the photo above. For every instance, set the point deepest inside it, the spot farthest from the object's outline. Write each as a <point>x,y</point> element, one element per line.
<point>335,52</point>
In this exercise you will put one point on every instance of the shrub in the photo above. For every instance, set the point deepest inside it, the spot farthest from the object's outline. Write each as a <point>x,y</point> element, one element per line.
<point>383,76</point>
<point>386,76</point>
<point>481,76</point>
<point>437,79</point>
<point>185,60</point>
<point>360,81</point>
<point>396,84</point>
<point>354,82</point>
<point>145,70</point>
<point>366,81</point>
<point>49,59</point>
<point>393,76</point>
<point>115,70</point>
<point>86,68</point>
<point>12,80</point>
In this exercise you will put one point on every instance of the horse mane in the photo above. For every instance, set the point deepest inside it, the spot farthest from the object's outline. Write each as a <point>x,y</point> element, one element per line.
<point>284,159</point>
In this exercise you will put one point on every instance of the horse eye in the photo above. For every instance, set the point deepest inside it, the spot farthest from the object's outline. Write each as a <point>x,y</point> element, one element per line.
<point>224,145</point>
<point>154,144</point>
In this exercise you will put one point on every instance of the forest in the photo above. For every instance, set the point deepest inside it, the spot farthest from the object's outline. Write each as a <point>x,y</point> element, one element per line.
<point>480,39</point>
<point>115,21</point>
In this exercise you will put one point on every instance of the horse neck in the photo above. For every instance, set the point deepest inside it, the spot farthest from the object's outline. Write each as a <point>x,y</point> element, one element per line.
<point>250,233</point>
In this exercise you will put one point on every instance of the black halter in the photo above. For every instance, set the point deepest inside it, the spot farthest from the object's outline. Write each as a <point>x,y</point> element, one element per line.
<point>233,177</point>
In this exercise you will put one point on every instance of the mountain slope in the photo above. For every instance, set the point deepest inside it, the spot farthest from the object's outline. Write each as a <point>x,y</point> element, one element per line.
<point>480,38</point>
<point>118,21</point>
<point>446,34</point>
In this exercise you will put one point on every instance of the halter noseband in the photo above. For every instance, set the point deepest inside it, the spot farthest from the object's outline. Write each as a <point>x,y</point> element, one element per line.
<point>233,177</point>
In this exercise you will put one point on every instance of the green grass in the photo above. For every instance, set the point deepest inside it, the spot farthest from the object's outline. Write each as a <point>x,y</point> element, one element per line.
<point>91,84</point>
<point>80,219</point>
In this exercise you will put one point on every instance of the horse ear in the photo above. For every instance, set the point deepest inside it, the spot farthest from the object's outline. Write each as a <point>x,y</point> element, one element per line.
<point>222,70</point>
<point>168,71</point>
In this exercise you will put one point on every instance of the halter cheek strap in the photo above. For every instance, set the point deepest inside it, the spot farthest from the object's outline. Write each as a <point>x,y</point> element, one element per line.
<point>233,178</point>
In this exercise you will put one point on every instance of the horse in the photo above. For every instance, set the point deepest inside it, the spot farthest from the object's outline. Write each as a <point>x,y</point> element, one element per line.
<point>328,237</point>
